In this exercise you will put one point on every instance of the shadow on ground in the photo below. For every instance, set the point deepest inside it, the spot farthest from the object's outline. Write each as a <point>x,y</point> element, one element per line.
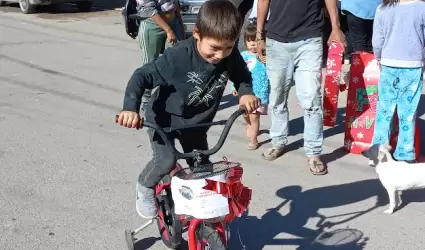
<point>256,233</point>
<point>145,243</point>
<point>228,101</point>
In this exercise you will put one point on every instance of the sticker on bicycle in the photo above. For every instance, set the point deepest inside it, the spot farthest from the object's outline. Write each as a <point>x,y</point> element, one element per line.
<point>190,198</point>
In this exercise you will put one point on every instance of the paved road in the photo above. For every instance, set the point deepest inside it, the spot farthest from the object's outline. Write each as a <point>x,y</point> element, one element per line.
<point>68,172</point>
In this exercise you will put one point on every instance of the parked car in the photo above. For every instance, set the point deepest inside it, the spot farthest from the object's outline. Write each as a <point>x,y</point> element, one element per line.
<point>30,6</point>
<point>189,10</point>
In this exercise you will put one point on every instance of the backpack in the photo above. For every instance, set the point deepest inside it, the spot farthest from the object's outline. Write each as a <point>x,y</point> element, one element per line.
<point>131,20</point>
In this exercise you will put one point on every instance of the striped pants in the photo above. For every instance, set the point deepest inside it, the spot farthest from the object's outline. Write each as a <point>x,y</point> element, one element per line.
<point>152,41</point>
<point>399,88</point>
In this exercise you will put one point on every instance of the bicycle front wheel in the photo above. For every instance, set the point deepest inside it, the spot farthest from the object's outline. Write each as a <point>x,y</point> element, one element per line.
<point>209,239</point>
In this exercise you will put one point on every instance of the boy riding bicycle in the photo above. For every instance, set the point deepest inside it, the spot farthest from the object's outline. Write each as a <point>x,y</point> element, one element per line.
<point>191,78</point>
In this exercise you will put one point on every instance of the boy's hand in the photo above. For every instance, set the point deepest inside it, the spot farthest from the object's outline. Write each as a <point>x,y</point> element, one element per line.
<point>129,119</point>
<point>250,102</point>
<point>235,93</point>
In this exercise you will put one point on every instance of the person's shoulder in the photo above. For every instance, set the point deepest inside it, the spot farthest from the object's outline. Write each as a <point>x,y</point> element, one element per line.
<point>180,51</point>
<point>182,47</point>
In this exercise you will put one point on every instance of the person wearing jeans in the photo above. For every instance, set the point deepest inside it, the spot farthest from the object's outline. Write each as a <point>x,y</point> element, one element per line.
<point>360,15</point>
<point>294,54</point>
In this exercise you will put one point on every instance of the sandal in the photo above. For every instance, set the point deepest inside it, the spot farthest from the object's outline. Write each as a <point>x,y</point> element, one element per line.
<point>253,146</point>
<point>272,154</point>
<point>317,167</point>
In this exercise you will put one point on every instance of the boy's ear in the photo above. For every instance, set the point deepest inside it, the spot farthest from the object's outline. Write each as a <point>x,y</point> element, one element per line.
<point>195,33</point>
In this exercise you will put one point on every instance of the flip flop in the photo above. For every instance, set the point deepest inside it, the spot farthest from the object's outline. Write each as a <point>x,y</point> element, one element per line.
<point>317,167</point>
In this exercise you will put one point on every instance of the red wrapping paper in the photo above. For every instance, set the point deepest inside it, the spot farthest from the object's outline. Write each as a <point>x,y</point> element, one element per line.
<point>331,86</point>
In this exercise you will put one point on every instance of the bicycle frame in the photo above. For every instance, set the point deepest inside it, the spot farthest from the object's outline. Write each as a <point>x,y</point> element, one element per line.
<point>194,223</point>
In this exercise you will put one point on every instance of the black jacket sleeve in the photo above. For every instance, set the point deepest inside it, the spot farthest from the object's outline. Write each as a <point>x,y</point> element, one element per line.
<point>146,77</point>
<point>239,73</point>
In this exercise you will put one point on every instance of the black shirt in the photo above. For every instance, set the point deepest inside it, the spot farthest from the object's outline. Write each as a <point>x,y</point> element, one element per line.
<point>295,20</point>
<point>189,88</point>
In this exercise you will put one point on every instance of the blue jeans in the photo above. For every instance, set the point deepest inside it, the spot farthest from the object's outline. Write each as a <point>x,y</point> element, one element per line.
<point>401,88</point>
<point>300,62</point>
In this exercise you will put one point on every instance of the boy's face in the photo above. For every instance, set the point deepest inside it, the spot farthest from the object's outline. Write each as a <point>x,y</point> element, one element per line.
<point>212,50</point>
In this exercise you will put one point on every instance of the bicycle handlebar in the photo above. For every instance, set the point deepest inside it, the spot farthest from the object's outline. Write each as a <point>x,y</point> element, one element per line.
<point>227,126</point>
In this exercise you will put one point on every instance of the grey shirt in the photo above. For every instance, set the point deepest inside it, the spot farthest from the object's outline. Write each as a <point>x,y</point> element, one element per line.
<point>148,8</point>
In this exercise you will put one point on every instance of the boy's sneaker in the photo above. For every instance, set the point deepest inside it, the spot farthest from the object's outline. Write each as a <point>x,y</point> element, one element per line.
<point>145,202</point>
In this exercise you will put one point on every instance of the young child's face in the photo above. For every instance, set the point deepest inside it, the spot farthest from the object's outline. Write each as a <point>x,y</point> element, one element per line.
<point>251,46</point>
<point>213,50</point>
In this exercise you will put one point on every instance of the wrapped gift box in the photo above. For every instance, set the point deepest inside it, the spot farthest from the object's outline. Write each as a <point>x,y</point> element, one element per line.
<point>331,86</point>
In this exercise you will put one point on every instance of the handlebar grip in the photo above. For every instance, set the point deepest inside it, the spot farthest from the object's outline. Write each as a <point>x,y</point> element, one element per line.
<point>162,134</point>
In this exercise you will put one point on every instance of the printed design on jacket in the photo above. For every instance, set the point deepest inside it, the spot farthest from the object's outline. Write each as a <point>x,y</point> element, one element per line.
<point>203,94</point>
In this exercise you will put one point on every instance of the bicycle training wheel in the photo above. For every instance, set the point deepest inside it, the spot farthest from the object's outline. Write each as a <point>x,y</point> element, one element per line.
<point>209,239</point>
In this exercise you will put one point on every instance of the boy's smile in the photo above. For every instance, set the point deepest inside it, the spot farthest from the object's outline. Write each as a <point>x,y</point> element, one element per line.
<point>213,50</point>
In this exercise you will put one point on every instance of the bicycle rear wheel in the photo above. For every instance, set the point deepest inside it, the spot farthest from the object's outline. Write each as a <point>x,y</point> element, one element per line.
<point>209,239</point>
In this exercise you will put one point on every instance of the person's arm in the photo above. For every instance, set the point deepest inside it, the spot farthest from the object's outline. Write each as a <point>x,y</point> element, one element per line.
<point>262,11</point>
<point>163,24</point>
<point>239,73</point>
<point>332,8</point>
<point>336,34</point>
<point>146,77</point>
<point>378,36</point>
<point>148,9</point>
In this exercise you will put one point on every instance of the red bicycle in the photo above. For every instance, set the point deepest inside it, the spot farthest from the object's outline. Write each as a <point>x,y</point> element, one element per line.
<point>208,233</point>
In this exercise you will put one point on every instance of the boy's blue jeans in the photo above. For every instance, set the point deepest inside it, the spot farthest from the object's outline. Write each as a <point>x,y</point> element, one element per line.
<point>399,88</point>
<point>300,62</point>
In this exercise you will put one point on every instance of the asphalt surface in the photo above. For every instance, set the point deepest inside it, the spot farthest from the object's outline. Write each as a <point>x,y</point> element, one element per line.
<point>68,172</point>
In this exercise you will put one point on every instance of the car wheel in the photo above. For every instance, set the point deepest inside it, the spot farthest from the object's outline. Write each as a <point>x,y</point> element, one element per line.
<point>27,7</point>
<point>85,6</point>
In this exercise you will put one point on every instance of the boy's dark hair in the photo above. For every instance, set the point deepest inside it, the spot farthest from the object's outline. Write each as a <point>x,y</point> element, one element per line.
<point>250,32</point>
<point>386,3</point>
<point>219,19</point>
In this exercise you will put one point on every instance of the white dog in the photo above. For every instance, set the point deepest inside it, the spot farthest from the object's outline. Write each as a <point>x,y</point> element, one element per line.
<point>395,176</point>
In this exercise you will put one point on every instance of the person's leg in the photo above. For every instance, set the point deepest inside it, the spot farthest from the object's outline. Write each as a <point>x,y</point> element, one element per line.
<point>359,31</point>
<point>195,139</point>
<point>280,69</point>
<point>369,33</point>
<point>161,164</point>
<point>152,42</point>
<point>308,87</point>
<point>409,93</point>
<point>248,123</point>
<point>254,129</point>
<point>385,107</point>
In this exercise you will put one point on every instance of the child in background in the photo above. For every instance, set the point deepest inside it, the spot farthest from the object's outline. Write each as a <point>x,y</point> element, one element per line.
<point>398,44</point>
<point>260,84</point>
